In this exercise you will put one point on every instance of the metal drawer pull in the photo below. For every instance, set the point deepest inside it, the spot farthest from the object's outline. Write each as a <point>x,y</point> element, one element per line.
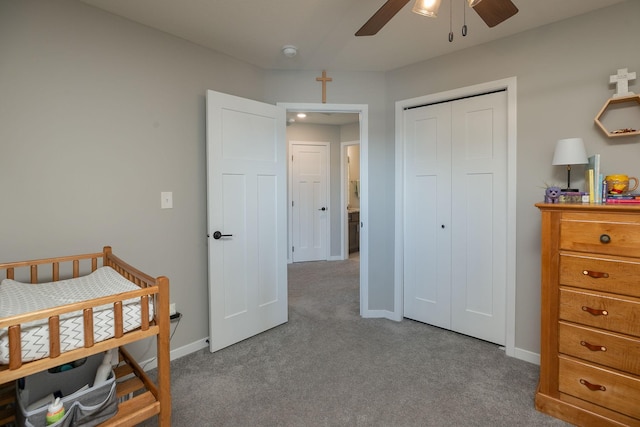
<point>593,347</point>
<point>594,311</point>
<point>592,387</point>
<point>605,238</point>
<point>595,274</point>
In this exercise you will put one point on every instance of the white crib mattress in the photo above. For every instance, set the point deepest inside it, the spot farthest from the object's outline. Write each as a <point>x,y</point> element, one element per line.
<point>19,298</point>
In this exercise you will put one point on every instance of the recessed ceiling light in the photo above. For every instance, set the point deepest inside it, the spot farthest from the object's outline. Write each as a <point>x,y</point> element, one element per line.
<point>301,115</point>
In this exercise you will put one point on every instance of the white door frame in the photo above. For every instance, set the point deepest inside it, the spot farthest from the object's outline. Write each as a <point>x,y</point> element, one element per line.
<point>363,111</point>
<point>344,194</point>
<point>508,84</point>
<point>327,237</point>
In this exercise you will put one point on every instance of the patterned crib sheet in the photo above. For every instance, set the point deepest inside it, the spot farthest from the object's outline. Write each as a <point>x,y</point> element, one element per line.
<point>18,298</point>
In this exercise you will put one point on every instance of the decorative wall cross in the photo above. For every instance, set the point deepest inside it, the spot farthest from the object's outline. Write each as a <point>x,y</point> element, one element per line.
<point>324,79</point>
<point>622,82</point>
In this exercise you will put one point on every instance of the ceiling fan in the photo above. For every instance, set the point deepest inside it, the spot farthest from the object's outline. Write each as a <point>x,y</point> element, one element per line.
<point>492,13</point>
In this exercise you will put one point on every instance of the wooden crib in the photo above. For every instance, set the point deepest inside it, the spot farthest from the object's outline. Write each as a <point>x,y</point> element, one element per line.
<point>144,397</point>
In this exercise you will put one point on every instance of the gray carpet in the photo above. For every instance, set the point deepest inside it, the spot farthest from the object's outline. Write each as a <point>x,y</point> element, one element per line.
<point>329,367</point>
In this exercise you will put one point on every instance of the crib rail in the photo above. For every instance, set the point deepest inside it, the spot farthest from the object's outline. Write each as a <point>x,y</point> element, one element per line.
<point>54,263</point>
<point>148,292</point>
<point>156,400</point>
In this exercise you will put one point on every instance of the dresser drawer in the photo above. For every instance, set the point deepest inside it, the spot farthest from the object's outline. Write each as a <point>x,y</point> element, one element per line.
<point>613,234</point>
<point>613,390</point>
<point>618,276</point>
<point>604,311</point>
<point>605,348</point>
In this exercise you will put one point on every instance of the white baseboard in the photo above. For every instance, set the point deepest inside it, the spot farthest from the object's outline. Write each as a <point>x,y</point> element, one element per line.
<point>527,356</point>
<point>178,353</point>
<point>380,314</point>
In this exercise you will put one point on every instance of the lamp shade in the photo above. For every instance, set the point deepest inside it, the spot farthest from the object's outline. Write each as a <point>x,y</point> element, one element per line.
<point>426,7</point>
<point>570,151</point>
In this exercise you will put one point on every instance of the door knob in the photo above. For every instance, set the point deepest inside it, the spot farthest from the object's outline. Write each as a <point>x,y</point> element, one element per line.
<point>217,235</point>
<point>322,209</point>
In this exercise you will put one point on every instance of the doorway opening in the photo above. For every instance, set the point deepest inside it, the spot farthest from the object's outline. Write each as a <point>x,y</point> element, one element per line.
<point>350,197</point>
<point>349,124</point>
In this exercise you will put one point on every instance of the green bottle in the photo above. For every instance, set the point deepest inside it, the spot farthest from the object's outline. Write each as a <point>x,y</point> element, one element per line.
<point>55,411</point>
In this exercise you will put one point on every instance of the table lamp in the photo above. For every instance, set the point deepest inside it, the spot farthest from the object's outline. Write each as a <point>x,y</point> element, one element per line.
<point>570,151</point>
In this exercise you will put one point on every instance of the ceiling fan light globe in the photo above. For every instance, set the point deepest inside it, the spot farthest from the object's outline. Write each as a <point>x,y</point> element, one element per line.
<point>473,3</point>
<point>426,7</point>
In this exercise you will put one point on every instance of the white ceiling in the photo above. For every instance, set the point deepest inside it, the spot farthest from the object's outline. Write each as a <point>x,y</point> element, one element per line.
<point>323,30</point>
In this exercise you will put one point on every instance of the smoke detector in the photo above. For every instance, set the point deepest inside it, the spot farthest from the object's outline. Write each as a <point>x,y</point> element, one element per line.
<point>289,51</point>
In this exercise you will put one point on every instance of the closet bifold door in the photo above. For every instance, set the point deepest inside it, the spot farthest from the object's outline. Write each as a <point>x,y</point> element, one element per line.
<point>455,215</point>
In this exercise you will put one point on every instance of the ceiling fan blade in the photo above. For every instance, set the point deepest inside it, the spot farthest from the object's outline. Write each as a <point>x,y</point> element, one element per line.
<point>381,17</point>
<point>494,12</point>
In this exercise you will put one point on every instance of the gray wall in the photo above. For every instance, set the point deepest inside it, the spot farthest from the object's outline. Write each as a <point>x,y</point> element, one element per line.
<point>562,75</point>
<point>99,115</point>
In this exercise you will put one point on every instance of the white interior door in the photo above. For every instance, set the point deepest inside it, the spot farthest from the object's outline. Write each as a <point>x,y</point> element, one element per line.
<point>455,259</point>
<point>309,201</point>
<point>246,216</point>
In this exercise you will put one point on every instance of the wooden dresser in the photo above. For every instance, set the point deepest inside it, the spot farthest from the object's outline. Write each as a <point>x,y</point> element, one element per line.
<point>590,326</point>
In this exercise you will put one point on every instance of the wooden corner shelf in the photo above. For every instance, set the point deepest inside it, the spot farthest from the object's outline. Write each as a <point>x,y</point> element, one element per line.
<point>632,100</point>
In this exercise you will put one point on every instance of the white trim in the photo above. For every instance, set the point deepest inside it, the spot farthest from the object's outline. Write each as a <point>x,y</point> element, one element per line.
<point>327,253</point>
<point>510,85</point>
<point>344,191</point>
<point>363,110</point>
<point>179,352</point>
<point>527,356</point>
<point>380,314</point>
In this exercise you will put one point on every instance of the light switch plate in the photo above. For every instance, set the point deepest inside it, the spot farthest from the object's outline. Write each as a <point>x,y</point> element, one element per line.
<point>166,200</point>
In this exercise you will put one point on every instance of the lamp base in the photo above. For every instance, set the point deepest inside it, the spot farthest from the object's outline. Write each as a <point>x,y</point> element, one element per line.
<point>569,190</point>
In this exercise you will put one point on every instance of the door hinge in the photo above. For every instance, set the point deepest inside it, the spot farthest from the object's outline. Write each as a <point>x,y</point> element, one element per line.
<point>293,249</point>
<point>292,203</point>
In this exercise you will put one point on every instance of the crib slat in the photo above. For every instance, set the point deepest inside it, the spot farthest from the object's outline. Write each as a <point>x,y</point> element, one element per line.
<point>10,273</point>
<point>87,315</point>
<point>34,274</point>
<point>15,352</point>
<point>54,336</point>
<point>118,327</point>
<point>144,312</point>
<point>76,268</point>
<point>56,271</point>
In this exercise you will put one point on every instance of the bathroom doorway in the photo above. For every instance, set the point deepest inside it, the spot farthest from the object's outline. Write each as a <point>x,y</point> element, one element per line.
<point>350,178</point>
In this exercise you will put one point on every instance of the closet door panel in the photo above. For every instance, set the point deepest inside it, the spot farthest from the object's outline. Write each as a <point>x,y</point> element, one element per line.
<point>479,186</point>
<point>427,261</point>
